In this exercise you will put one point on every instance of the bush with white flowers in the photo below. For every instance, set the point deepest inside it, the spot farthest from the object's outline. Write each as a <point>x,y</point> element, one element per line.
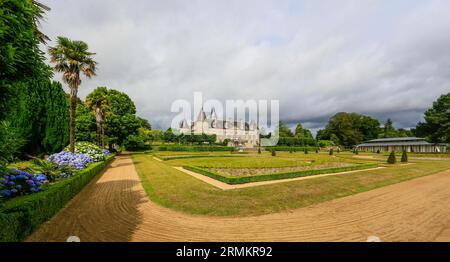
<point>93,151</point>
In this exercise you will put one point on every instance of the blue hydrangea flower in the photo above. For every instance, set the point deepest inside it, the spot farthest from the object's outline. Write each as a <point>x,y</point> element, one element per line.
<point>6,193</point>
<point>41,177</point>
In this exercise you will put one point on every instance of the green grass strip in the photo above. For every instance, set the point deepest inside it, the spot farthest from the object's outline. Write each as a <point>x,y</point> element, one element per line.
<point>257,178</point>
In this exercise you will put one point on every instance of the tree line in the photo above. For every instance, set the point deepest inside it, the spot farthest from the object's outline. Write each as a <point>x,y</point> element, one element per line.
<point>36,116</point>
<point>349,129</point>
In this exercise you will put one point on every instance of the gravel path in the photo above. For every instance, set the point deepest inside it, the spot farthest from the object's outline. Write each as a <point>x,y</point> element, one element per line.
<point>116,208</point>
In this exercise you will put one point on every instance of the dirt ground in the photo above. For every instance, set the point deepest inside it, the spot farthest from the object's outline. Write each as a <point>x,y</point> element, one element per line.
<point>116,208</point>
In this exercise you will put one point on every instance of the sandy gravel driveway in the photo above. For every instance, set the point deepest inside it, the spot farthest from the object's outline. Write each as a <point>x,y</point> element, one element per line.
<point>116,208</point>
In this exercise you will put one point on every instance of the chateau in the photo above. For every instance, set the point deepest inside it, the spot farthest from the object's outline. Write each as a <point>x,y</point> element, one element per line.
<point>238,133</point>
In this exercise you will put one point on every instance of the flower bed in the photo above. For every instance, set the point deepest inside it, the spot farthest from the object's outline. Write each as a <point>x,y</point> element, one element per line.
<point>20,216</point>
<point>233,180</point>
<point>91,150</point>
<point>77,161</point>
<point>17,183</point>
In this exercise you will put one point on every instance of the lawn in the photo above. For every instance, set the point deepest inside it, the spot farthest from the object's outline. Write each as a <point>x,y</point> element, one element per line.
<point>177,190</point>
<point>264,160</point>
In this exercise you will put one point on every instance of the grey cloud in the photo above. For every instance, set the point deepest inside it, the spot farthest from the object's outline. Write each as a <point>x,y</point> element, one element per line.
<point>381,58</point>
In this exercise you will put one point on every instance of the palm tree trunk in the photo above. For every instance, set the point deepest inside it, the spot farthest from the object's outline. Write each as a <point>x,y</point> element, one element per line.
<point>73,107</point>
<point>103,136</point>
<point>99,130</point>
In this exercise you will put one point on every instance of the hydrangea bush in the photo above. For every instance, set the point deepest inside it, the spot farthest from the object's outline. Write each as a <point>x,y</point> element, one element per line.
<point>67,159</point>
<point>17,182</point>
<point>93,151</point>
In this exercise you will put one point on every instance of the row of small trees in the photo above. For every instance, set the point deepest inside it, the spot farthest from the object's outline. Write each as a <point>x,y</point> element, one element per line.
<point>392,159</point>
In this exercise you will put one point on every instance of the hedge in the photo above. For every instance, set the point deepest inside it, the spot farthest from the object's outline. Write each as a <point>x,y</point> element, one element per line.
<point>167,158</point>
<point>194,148</point>
<point>292,148</point>
<point>20,216</point>
<point>257,178</point>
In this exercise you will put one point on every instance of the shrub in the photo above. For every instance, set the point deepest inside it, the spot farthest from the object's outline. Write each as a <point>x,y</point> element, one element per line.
<point>135,143</point>
<point>259,150</point>
<point>90,149</point>
<point>16,183</point>
<point>325,143</point>
<point>274,153</point>
<point>10,143</point>
<point>20,216</point>
<point>306,150</point>
<point>49,169</point>
<point>378,151</point>
<point>404,157</point>
<point>66,159</point>
<point>392,159</point>
<point>331,152</point>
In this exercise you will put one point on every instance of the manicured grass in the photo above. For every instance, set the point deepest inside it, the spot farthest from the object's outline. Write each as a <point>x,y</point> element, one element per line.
<point>174,189</point>
<point>264,160</point>
<point>234,180</point>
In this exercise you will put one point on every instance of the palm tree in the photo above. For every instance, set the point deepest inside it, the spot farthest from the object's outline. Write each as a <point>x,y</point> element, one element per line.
<point>97,102</point>
<point>40,10</point>
<point>72,58</point>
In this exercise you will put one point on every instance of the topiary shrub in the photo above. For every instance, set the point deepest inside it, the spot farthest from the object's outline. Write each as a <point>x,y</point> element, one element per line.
<point>392,159</point>
<point>378,151</point>
<point>404,157</point>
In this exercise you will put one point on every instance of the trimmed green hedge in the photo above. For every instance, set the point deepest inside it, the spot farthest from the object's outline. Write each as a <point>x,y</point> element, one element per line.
<point>165,158</point>
<point>257,178</point>
<point>292,148</point>
<point>20,216</point>
<point>193,148</point>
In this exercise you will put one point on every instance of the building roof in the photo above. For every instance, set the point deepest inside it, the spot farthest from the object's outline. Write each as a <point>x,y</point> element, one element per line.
<point>400,143</point>
<point>395,139</point>
<point>213,122</point>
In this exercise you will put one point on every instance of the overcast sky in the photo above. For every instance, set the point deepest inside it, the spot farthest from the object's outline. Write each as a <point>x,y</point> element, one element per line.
<point>381,58</point>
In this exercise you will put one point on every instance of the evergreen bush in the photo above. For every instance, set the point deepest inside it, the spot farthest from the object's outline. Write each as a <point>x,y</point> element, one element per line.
<point>404,157</point>
<point>392,159</point>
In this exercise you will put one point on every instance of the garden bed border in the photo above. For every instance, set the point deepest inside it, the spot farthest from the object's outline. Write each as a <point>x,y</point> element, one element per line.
<point>20,216</point>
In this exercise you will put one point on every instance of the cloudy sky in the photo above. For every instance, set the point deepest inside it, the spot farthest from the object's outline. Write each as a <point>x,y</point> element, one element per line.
<point>381,58</point>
